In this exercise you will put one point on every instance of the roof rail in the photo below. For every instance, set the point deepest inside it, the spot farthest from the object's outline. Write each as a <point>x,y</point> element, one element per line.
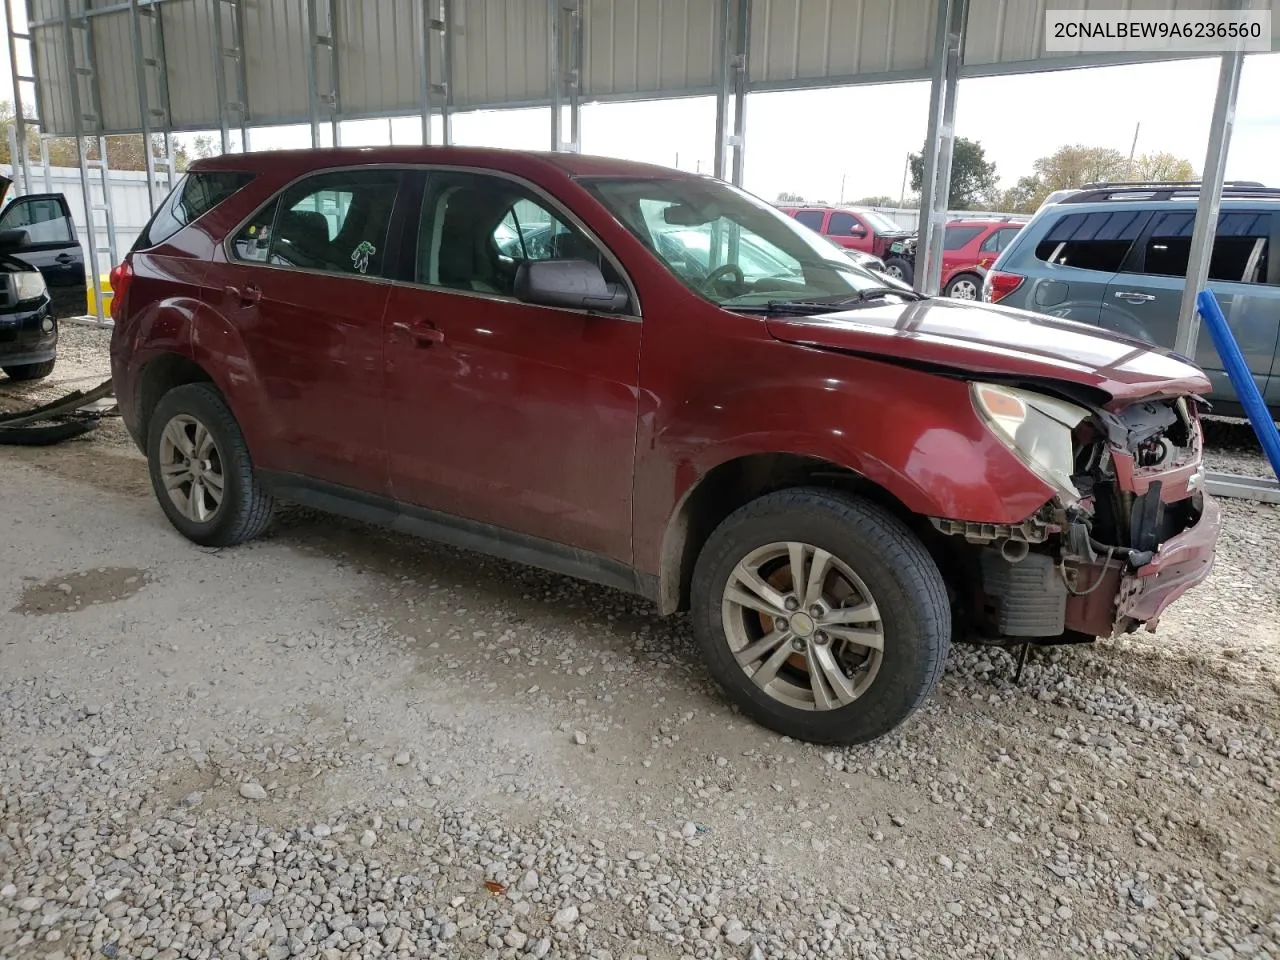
<point>1166,190</point>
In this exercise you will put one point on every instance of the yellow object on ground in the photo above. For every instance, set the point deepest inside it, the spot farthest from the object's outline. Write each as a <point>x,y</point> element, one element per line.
<point>91,297</point>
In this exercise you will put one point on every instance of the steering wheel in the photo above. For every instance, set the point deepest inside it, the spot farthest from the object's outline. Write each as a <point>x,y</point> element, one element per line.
<point>723,272</point>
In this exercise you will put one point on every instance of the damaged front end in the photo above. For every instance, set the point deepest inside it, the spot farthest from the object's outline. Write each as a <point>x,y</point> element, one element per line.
<point>1129,531</point>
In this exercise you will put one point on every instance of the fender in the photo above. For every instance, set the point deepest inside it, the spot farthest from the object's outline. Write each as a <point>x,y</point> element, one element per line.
<point>216,345</point>
<point>913,434</point>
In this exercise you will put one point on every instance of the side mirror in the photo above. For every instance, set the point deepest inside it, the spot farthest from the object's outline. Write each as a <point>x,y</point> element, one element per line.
<point>857,232</point>
<point>574,284</point>
<point>16,239</point>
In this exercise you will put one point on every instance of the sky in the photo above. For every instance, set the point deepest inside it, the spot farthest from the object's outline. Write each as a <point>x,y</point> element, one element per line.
<point>852,142</point>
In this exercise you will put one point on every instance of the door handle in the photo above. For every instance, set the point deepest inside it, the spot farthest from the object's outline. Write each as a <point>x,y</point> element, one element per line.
<point>424,332</point>
<point>246,297</point>
<point>1133,296</point>
<point>63,258</point>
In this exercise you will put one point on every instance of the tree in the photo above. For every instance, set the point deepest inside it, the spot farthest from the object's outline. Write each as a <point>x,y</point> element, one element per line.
<point>973,179</point>
<point>123,152</point>
<point>1077,165</point>
<point>877,201</point>
<point>1162,166</point>
<point>783,197</point>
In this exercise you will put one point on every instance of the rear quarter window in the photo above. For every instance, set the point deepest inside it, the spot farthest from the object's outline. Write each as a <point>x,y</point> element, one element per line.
<point>1091,241</point>
<point>194,196</point>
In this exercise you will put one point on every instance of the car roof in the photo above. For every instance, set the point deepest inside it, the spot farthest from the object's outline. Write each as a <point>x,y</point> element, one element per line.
<point>526,162</point>
<point>1187,203</point>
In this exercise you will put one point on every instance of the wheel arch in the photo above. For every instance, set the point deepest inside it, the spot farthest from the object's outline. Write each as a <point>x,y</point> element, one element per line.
<point>732,484</point>
<point>158,376</point>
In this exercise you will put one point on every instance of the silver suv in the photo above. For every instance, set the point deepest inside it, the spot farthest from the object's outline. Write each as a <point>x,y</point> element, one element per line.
<point>1115,256</point>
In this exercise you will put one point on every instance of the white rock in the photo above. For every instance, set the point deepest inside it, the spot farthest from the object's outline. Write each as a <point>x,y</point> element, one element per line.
<point>565,917</point>
<point>253,791</point>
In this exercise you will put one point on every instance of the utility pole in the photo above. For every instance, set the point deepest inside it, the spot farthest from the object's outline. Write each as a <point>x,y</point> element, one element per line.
<point>1133,148</point>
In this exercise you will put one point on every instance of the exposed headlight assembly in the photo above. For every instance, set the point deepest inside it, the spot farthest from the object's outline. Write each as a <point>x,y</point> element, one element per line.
<point>1036,428</point>
<point>28,285</point>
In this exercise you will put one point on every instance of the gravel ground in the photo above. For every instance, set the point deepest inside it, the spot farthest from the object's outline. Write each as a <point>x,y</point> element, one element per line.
<point>338,742</point>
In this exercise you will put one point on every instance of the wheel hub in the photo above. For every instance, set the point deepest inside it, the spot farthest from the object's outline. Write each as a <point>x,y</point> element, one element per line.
<point>802,625</point>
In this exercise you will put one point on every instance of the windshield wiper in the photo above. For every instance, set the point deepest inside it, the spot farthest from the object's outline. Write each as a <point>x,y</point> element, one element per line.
<point>875,293</point>
<point>795,308</point>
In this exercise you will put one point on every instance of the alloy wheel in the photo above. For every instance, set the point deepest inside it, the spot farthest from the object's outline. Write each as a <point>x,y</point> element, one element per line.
<point>964,290</point>
<point>803,626</point>
<point>191,468</point>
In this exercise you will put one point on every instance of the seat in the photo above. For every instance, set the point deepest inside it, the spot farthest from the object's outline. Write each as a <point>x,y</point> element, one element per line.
<point>307,234</point>
<point>465,256</point>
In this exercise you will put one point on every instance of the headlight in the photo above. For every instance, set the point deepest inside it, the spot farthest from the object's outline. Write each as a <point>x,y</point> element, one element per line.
<point>1036,428</point>
<point>28,285</point>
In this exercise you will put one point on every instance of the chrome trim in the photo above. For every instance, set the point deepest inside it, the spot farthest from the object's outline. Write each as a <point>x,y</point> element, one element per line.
<point>227,244</point>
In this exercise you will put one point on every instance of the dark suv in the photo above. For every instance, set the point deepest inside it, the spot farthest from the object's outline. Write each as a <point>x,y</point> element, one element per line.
<point>1115,256</point>
<point>42,278</point>
<point>654,381</point>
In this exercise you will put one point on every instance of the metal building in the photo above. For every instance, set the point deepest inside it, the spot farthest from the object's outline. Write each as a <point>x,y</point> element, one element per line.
<point>102,67</point>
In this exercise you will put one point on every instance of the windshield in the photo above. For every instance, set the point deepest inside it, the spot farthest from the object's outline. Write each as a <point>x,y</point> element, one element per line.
<point>880,223</point>
<point>729,247</point>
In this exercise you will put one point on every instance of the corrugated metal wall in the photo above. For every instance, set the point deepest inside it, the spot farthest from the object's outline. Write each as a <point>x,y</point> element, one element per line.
<point>632,49</point>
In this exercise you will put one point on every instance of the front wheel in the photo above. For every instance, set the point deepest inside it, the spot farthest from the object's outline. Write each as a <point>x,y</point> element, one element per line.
<point>900,269</point>
<point>822,616</point>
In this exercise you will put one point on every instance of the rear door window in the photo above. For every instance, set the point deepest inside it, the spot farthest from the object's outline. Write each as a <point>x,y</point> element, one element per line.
<point>956,237</point>
<point>194,196</point>
<point>1092,241</point>
<point>998,240</point>
<point>811,219</point>
<point>1241,247</point>
<point>332,222</point>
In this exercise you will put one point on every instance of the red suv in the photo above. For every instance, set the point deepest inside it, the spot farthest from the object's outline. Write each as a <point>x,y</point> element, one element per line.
<point>654,381</point>
<point>854,228</point>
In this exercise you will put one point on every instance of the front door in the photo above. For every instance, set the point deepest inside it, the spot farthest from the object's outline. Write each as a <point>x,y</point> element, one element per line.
<point>1147,294</point>
<point>518,416</point>
<point>51,247</point>
<point>305,292</point>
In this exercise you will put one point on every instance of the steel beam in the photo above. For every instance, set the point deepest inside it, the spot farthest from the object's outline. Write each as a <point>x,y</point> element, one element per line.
<point>425,28</point>
<point>733,45</point>
<point>144,100</point>
<point>447,32</point>
<point>935,186</point>
<point>85,186</point>
<point>220,74</point>
<point>565,64</point>
<point>1206,225</point>
<point>19,113</point>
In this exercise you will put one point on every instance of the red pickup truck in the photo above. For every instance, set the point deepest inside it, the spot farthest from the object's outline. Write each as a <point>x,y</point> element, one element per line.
<point>854,228</point>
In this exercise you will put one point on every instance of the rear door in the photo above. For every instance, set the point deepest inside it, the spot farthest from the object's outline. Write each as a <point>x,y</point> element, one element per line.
<point>1078,256</point>
<point>1146,295</point>
<point>51,247</point>
<point>305,289</point>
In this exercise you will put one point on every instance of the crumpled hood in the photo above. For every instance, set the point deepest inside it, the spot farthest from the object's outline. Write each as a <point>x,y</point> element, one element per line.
<point>998,341</point>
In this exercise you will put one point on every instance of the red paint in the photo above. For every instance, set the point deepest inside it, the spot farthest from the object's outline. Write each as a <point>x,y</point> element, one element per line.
<point>590,430</point>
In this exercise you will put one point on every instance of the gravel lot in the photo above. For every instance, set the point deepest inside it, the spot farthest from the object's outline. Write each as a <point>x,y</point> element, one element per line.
<point>338,742</point>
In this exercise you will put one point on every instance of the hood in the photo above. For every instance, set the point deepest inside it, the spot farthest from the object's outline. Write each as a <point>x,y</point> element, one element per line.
<point>999,342</point>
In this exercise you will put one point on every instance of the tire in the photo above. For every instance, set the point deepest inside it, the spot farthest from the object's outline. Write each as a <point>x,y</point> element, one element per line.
<point>244,509</point>
<point>964,286</point>
<point>30,371</point>
<point>907,594</point>
<point>902,269</point>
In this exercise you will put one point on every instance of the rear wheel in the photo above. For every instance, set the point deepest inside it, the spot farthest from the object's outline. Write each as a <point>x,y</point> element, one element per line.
<point>965,286</point>
<point>30,371</point>
<point>900,269</point>
<point>821,615</point>
<point>201,471</point>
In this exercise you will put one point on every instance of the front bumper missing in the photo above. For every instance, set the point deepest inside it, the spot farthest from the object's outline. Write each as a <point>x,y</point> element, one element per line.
<point>1107,600</point>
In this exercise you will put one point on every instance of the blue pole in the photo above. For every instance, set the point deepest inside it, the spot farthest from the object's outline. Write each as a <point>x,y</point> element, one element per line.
<point>1241,379</point>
